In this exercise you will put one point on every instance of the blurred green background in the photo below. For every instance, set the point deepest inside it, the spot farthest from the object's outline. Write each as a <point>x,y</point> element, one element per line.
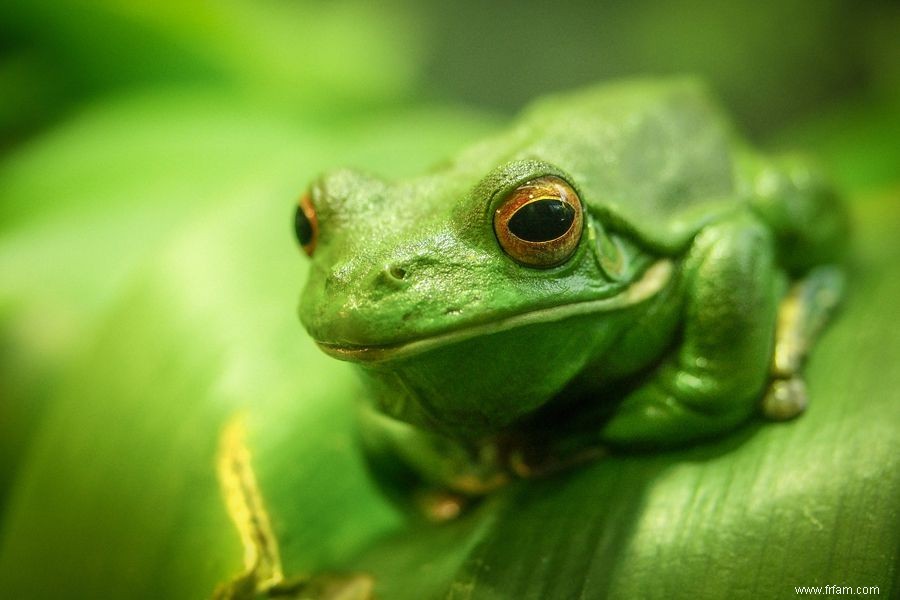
<point>150,155</point>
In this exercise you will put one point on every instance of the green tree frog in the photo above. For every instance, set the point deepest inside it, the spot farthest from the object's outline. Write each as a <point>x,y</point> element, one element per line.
<point>616,270</point>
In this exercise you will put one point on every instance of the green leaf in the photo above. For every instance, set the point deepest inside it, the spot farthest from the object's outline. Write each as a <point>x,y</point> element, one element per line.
<point>284,53</point>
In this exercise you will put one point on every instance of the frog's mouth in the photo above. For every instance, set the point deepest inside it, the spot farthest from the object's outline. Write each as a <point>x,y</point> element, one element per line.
<point>653,280</point>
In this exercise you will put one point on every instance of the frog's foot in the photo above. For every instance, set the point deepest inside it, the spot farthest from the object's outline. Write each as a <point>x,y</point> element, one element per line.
<point>439,506</point>
<point>529,462</point>
<point>530,467</point>
<point>785,399</point>
<point>801,316</point>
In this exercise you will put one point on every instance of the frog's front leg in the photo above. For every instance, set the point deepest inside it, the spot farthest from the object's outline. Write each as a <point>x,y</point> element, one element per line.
<point>434,474</point>
<point>713,380</point>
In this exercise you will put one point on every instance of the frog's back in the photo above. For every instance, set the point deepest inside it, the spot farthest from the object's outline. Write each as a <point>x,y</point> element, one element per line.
<point>655,158</point>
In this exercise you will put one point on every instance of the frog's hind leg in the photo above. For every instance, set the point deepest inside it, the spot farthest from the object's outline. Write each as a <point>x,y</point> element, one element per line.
<point>801,316</point>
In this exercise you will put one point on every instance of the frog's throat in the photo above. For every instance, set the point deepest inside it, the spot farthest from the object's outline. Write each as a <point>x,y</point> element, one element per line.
<point>653,280</point>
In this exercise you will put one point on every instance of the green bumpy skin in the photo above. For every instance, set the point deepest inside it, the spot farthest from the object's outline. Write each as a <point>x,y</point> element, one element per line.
<point>660,329</point>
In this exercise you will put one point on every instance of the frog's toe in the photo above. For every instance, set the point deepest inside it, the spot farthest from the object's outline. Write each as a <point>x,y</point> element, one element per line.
<point>528,466</point>
<point>439,505</point>
<point>785,399</point>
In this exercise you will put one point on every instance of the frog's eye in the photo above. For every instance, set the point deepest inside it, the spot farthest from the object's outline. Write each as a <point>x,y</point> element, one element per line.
<point>539,223</point>
<point>306,225</point>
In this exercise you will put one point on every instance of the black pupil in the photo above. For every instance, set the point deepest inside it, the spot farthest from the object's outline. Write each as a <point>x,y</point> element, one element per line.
<point>302,227</point>
<point>542,221</point>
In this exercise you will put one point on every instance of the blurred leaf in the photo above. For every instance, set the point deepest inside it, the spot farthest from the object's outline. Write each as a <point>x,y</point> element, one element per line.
<point>308,56</point>
<point>856,141</point>
<point>119,491</point>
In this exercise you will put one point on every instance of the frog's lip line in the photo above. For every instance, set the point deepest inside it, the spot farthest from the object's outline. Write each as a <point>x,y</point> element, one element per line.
<point>652,281</point>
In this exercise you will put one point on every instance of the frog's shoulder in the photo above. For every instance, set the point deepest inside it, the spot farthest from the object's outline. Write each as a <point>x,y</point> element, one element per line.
<point>653,157</point>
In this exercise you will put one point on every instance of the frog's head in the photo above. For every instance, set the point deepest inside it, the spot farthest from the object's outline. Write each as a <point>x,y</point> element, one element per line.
<point>466,300</point>
<point>474,294</point>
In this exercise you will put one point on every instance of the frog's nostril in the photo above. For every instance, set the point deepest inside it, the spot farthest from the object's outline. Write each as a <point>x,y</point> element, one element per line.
<point>395,272</point>
<point>394,276</point>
